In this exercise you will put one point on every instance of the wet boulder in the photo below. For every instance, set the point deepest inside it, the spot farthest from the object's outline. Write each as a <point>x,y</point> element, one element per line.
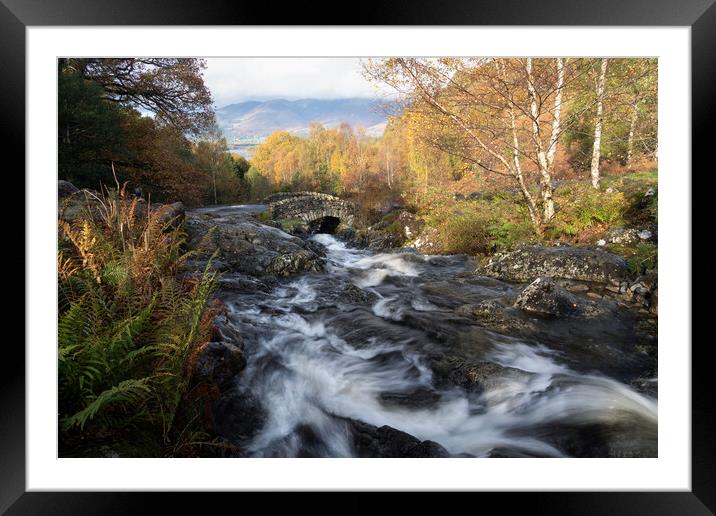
<point>484,376</point>
<point>630,438</point>
<point>387,442</point>
<point>391,232</point>
<point>238,415</point>
<point>243,284</point>
<point>347,294</point>
<point>318,248</point>
<point>219,363</point>
<point>504,452</point>
<point>565,262</point>
<point>220,360</point>
<point>546,297</point>
<point>377,240</point>
<point>250,247</point>
<point>347,234</point>
<point>472,375</point>
<point>286,264</point>
<point>495,315</point>
<point>415,399</point>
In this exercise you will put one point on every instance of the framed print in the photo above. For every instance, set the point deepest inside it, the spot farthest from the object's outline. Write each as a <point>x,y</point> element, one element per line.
<point>418,252</point>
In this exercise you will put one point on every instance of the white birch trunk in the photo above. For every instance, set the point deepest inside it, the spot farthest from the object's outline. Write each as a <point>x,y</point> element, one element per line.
<point>556,121</point>
<point>596,149</point>
<point>544,167</point>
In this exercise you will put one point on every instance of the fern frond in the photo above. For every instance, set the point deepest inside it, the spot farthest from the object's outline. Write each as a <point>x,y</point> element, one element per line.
<point>66,267</point>
<point>129,392</point>
<point>72,326</point>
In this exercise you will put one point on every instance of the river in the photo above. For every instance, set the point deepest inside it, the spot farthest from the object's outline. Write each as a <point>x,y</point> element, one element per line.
<point>374,338</point>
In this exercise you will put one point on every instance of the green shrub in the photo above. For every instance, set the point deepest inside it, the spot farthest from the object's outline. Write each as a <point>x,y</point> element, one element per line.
<point>580,207</point>
<point>504,235</point>
<point>492,223</point>
<point>465,234</point>
<point>477,232</point>
<point>639,257</point>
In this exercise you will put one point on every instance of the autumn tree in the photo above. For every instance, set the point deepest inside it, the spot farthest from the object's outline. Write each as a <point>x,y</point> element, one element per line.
<point>632,107</point>
<point>212,157</point>
<point>258,184</point>
<point>240,165</point>
<point>143,120</point>
<point>507,113</point>
<point>172,89</point>
<point>393,155</point>
<point>629,113</point>
<point>277,158</point>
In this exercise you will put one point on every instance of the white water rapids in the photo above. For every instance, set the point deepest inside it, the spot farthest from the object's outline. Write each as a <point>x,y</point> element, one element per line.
<point>327,346</point>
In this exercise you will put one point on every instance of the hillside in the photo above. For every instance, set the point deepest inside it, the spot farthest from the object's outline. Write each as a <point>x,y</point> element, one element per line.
<point>257,119</point>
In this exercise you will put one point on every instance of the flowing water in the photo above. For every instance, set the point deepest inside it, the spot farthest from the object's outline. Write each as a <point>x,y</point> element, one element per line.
<point>366,340</point>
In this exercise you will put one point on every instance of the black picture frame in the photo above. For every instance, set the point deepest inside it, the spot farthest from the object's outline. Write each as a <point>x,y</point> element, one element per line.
<point>17,15</point>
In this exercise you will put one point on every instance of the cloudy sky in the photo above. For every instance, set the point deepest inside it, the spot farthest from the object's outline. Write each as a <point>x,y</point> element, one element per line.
<point>238,79</point>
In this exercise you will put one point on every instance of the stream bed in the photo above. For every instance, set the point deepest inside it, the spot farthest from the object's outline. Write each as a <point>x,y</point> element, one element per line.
<point>383,339</point>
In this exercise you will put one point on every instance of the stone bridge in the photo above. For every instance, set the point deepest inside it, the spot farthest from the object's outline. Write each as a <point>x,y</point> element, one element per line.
<point>322,212</point>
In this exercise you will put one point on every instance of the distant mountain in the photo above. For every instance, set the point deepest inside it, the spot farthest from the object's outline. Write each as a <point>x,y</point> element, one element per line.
<point>257,119</point>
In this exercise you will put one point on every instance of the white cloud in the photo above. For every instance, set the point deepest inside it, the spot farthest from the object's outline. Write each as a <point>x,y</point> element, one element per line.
<point>256,78</point>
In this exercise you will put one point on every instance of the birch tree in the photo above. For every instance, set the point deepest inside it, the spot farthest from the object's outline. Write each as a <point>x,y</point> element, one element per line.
<point>640,78</point>
<point>508,112</point>
<point>211,155</point>
<point>596,148</point>
<point>545,157</point>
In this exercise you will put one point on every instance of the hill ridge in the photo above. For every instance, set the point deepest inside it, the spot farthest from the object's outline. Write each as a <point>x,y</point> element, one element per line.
<point>258,118</point>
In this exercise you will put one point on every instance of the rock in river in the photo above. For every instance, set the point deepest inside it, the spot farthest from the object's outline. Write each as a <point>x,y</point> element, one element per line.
<point>249,247</point>
<point>545,297</point>
<point>221,360</point>
<point>472,375</point>
<point>385,441</point>
<point>219,363</point>
<point>565,262</point>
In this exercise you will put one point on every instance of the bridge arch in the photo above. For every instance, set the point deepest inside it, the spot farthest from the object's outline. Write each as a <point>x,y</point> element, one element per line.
<point>322,212</point>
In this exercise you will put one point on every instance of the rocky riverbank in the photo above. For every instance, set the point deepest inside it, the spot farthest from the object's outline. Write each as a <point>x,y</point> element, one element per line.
<point>584,303</point>
<point>424,335</point>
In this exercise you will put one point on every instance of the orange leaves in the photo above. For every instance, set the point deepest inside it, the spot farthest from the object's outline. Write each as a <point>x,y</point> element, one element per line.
<point>66,266</point>
<point>84,241</point>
